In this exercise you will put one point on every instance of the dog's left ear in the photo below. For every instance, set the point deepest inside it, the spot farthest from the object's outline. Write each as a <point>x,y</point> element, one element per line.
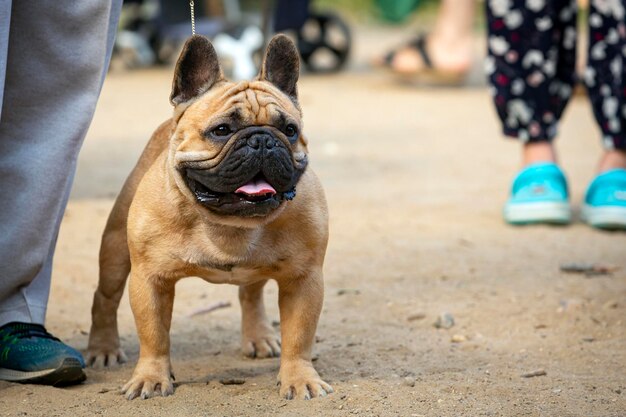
<point>281,65</point>
<point>197,70</point>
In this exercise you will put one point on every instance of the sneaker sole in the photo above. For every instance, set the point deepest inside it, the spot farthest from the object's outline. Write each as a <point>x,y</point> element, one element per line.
<point>612,218</point>
<point>530,213</point>
<point>70,372</point>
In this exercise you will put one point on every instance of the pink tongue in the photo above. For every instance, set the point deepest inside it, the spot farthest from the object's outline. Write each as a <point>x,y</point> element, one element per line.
<point>256,187</point>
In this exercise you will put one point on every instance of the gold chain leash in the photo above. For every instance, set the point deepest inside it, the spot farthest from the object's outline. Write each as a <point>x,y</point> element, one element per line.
<point>193,19</point>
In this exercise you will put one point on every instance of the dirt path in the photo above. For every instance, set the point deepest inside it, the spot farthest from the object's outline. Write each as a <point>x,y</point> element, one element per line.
<point>415,181</point>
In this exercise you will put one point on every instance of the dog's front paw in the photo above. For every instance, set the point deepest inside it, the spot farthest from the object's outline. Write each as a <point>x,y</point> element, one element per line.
<point>101,357</point>
<point>149,380</point>
<point>261,342</point>
<point>298,379</point>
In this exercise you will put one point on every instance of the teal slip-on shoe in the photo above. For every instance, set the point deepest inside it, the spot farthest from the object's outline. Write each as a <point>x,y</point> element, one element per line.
<point>539,195</point>
<point>29,354</point>
<point>605,201</point>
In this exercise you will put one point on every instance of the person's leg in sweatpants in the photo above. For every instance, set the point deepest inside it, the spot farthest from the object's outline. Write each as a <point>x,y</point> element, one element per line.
<point>531,68</point>
<point>55,57</point>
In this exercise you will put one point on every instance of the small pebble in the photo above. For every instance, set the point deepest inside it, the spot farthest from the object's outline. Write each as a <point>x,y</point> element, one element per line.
<point>589,270</point>
<point>610,304</point>
<point>444,321</point>
<point>458,338</point>
<point>409,381</point>
<point>416,316</point>
<point>344,291</point>
<point>531,374</point>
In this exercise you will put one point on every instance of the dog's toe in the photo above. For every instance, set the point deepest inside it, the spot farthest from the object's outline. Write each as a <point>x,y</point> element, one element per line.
<point>302,382</point>
<point>105,358</point>
<point>148,387</point>
<point>267,347</point>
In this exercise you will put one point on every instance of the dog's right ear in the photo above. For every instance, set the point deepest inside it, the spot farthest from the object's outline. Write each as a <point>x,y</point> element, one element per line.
<point>197,70</point>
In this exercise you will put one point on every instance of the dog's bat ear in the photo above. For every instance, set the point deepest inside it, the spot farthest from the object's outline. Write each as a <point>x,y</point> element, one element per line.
<point>197,70</point>
<point>281,65</point>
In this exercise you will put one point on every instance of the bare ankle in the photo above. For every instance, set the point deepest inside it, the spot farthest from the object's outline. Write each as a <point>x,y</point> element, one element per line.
<point>612,159</point>
<point>536,152</point>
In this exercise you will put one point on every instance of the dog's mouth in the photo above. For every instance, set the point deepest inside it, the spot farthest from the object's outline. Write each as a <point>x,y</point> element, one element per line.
<point>257,197</point>
<point>255,190</point>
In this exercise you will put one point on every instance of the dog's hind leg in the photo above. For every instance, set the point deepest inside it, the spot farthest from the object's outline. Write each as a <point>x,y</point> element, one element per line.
<point>104,342</point>
<point>258,338</point>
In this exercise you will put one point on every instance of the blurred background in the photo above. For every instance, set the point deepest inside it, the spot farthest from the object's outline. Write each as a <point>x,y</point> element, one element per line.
<point>331,35</point>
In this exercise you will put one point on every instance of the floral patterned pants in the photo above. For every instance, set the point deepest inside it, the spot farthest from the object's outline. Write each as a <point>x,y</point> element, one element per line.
<point>531,65</point>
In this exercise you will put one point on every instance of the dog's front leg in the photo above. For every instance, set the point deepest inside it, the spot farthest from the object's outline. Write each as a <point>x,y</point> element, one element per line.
<point>300,301</point>
<point>151,299</point>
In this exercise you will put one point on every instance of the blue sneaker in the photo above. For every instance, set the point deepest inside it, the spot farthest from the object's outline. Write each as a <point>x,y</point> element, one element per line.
<point>539,195</point>
<point>29,354</point>
<point>605,201</point>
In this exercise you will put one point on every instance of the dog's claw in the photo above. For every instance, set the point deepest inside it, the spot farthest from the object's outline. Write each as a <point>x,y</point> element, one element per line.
<point>307,391</point>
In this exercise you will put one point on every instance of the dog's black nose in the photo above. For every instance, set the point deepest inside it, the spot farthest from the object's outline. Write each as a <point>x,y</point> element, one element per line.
<point>260,141</point>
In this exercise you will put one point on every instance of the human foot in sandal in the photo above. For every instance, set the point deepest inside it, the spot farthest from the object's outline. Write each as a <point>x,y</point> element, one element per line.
<point>428,58</point>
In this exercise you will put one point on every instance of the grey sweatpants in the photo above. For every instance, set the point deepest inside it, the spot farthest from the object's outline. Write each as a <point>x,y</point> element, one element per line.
<point>53,59</point>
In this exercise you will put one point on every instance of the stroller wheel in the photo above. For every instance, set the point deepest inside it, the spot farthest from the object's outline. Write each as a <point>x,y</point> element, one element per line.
<point>324,42</point>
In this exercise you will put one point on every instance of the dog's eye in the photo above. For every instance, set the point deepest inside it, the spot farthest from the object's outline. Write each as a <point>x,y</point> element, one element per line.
<point>291,130</point>
<point>222,130</point>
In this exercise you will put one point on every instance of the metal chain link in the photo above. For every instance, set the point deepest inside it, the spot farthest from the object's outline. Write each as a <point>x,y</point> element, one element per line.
<point>193,19</point>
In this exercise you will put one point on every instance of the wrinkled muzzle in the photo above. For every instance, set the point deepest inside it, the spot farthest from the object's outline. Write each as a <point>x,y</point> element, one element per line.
<point>257,173</point>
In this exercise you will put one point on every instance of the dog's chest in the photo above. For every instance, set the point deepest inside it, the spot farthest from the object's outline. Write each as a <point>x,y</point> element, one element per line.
<point>236,276</point>
<point>234,261</point>
<point>239,273</point>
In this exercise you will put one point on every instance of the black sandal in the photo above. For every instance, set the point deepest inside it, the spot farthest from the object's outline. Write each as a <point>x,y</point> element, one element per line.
<point>418,44</point>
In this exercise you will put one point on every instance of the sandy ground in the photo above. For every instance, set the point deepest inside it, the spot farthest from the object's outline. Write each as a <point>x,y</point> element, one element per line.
<point>415,179</point>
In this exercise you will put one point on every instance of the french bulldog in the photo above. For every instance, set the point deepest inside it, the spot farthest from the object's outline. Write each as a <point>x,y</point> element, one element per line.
<point>222,191</point>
